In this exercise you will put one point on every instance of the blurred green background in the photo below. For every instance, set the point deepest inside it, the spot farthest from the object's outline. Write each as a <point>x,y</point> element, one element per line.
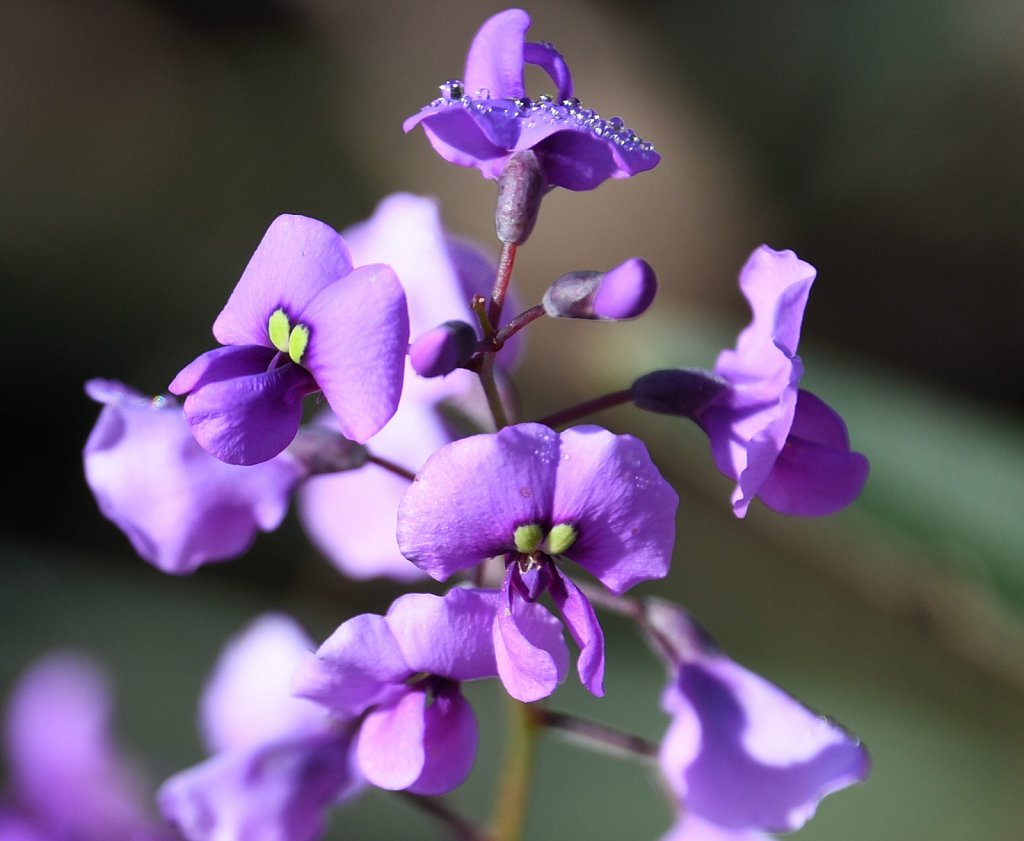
<point>146,144</point>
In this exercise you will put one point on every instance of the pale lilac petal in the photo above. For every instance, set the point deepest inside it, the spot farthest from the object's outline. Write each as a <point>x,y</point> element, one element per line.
<point>550,60</point>
<point>531,654</point>
<point>582,623</point>
<point>280,790</point>
<point>455,514</point>
<point>296,258</point>
<point>390,747</point>
<point>816,473</point>
<point>248,700</point>
<point>358,666</point>
<point>692,828</point>
<point>178,505</point>
<point>495,59</point>
<point>449,742</point>
<point>623,510</point>
<point>447,636</point>
<point>359,334</point>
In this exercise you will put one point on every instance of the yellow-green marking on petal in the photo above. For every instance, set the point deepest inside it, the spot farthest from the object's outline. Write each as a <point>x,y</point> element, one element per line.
<point>528,538</point>
<point>559,539</point>
<point>279,328</point>
<point>297,342</point>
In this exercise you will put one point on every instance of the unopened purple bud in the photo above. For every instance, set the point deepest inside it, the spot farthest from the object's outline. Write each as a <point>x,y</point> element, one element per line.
<point>440,351</point>
<point>620,293</point>
<point>682,391</point>
<point>521,187</point>
<point>322,450</point>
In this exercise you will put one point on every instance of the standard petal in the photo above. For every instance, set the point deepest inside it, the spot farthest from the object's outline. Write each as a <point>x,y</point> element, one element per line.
<point>620,506</point>
<point>582,622</point>
<point>495,59</point>
<point>296,258</point>
<point>359,334</point>
<point>471,495</point>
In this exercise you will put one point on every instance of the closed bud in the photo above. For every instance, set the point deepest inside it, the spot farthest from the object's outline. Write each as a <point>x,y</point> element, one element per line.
<point>322,450</point>
<point>521,187</point>
<point>682,391</point>
<point>621,293</point>
<point>440,351</point>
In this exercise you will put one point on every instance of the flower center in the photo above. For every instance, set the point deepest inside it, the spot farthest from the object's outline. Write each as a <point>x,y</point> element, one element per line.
<point>530,538</point>
<point>287,338</point>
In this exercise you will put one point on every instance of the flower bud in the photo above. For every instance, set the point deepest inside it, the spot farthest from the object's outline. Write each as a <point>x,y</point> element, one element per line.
<point>683,391</point>
<point>521,187</point>
<point>443,349</point>
<point>322,450</point>
<point>623,292</point>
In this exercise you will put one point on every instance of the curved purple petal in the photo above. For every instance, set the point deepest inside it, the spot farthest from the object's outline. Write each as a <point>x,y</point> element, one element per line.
<point>470,496</point>
<point>470,135</point>
<point>296,258</point>
<point>582,622</point>
<point>359,334</point>
<point>495,59</point>
<point>550,60</point>
<point>816,473</point>
<point>178,505</point>
<point>622,509</point>
<point>390,748</point>
<point>450,636</point>
<point>449,742</point>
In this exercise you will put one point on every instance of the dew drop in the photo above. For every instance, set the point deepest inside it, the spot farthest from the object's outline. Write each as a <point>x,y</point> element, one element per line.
<point>483,93</point>
<point>452,89</point>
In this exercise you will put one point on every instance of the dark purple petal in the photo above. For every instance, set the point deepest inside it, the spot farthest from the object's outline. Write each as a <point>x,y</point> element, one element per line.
<point>470,136</point>
<point>582,622</point>
<point>471,495</point>
<point>296,258</point>
<point>495,59</point>
<point>179,506</point>
<point>359,334</point>
<point>450,636</point>
<point>684,392</point>
<point>449,742</point>
<point>815,474</point>
<point>580,154</point>
<point>623,511</point>
<point>550,60</point>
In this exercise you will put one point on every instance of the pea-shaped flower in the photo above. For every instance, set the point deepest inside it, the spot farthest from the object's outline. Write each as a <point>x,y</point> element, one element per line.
<point>300,320</point>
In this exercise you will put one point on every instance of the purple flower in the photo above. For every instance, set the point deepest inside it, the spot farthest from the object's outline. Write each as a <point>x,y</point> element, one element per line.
<point>778,442</point>
<point>179,506</point>
<point>486,119</point>
<point>399,675</point>
<point>279,761</point>
<point>533,497</point>
<point>67,777</point>
<point>741,755</point>
<point>300,320</point>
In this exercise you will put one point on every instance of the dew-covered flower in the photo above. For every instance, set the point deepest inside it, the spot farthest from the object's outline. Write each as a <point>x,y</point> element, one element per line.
<point>535,497</point>
<point>67,778</point>
<point>742,756</point>
<point>300,320</point>
<point>778,442</point>
<point>178,505</point>
<point>278,762</point>
<point>485,119</point>
<point>400,676</point>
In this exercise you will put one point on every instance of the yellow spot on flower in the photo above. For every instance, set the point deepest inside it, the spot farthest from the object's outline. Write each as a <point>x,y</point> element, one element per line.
<point>297,342</point>
<point>279,328</point>
<point>528,538</point>
<point>559,539</point>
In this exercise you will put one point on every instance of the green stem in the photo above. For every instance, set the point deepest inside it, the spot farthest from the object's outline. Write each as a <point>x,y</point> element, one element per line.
<point>517,773</point>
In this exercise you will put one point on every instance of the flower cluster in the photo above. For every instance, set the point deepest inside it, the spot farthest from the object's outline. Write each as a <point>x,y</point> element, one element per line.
<point>419,467</point>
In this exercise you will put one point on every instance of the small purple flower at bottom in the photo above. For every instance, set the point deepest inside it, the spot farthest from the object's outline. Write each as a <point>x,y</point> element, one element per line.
<point>278,763</point>
<point>485,120</point>
<point>179,506</point>
<point>300,320</point>
<point>400,676</point>
<point>741,755</point>
<point>67,778</point>
<point>535,497</point>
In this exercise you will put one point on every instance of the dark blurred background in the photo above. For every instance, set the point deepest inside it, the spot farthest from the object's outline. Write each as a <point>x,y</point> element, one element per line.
<point>146,144</point>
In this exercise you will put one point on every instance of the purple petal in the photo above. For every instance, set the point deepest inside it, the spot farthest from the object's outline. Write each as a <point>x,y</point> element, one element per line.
<point>815,474</point>
<point>692,828</point>
<point>578,155</point>
<point>449,742</point>
<point>279,790</point>
<point>240,411</point>
<point>450,636</point>
<point>550,60</point>
<point>442,349</point>
<point>179,506</point>
<point>531,654</point>
<point>296,258</point>
<point>495,59</point>
<point>471,495</point>
<point>358,666</point>
<point>622,509</point>
<point>623,292</point>
<point>359,334</point>
<point>467,137</point>
<point>247,700</point>
<point>582,622</point>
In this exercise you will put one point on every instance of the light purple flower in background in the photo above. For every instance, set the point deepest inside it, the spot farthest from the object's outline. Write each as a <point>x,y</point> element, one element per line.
<point>279,762</point>
<point>178,505</point>
<point>740,754</point>
<point>68,779</point>
<point>400,675</point>
<point>485,119</point>
<point>300,320</point>
<point>692,828</point>
<point>533,497</point>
